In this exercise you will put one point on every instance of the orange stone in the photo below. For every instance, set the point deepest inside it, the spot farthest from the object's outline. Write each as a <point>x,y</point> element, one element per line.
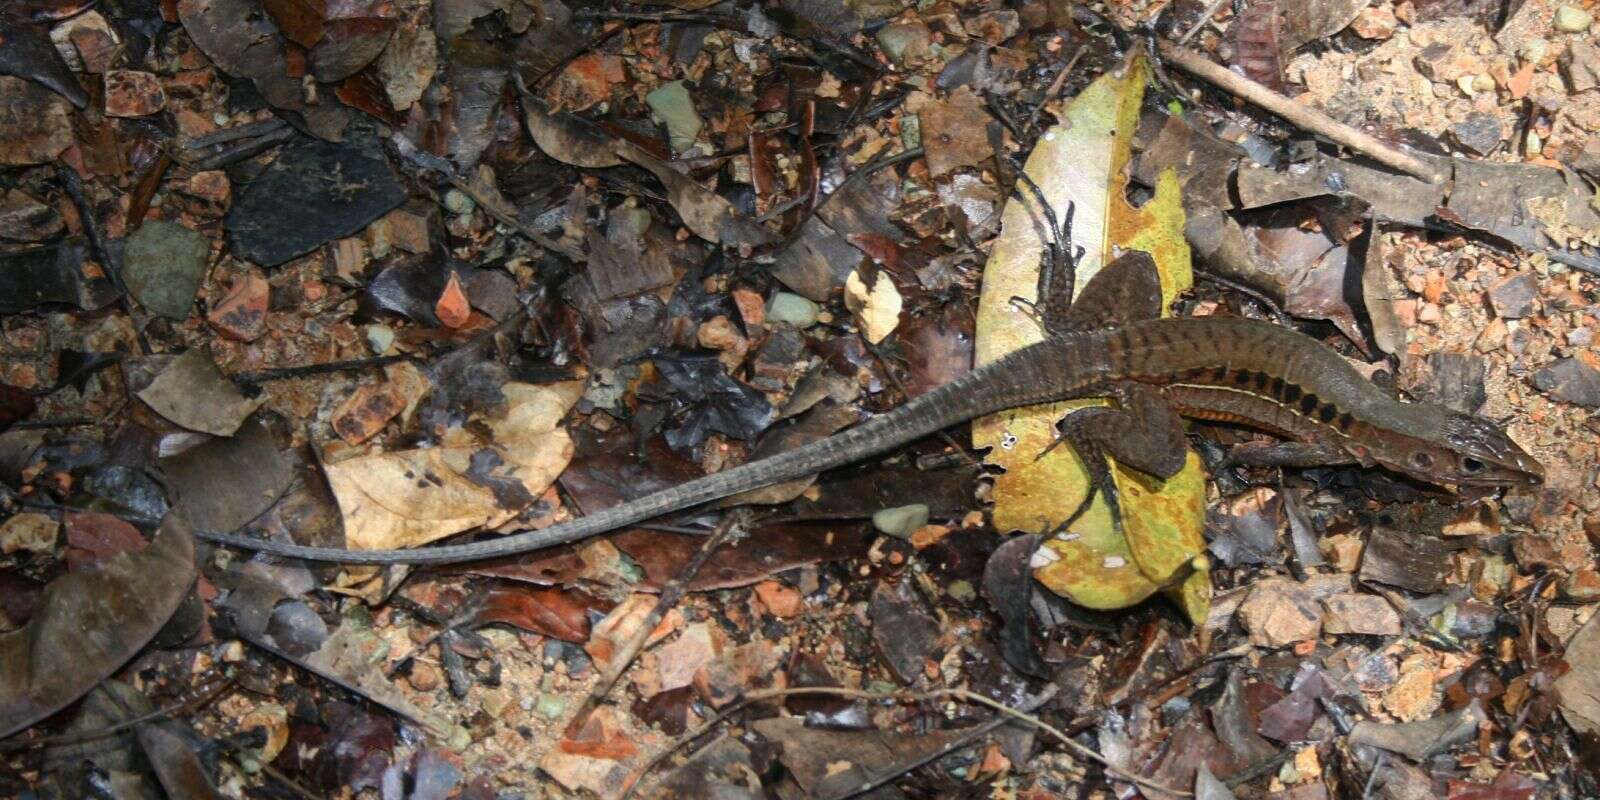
<point>242,313</point>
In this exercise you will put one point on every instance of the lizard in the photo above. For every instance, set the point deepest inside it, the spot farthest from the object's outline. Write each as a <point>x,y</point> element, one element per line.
<point>1111,343</point>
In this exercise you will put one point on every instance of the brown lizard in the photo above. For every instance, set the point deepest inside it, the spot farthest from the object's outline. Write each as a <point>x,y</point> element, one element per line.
<point>1108,344</point>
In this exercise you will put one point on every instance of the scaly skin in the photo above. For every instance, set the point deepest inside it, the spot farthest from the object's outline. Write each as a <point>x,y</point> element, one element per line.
<point>1255,373</point>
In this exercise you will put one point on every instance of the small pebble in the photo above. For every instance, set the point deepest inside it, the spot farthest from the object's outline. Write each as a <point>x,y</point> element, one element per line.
<point>457,202</point>
<point>792,309</point>
<point>380,338</point>
<point>550,706</point>
<point>1572,19</point>
<point>901,521</point>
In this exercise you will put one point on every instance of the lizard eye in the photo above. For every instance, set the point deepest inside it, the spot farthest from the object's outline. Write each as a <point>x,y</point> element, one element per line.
<point>1471,466</point>
<point>1421,460</point>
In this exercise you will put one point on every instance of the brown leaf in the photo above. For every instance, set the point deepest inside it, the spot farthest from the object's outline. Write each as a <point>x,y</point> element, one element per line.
<point>569,138</point>
<point>955,132</point>
<point>94,622</point>
<point>557,613</point>
<point>300,21</point>
<point>94,538</point>
<point>190,391</point>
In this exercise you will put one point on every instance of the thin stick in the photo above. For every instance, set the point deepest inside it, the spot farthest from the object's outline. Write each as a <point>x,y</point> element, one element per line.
<point>284,373</point>
<point>671,593</point>
<point>902,697</point>
<point>1296,114</point>
<point>110,730</point>
<point>1205,17</point>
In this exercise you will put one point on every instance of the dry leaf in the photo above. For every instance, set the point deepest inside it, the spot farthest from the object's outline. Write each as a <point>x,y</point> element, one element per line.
<point>876,307</point>
<point>412,497</point>
<point>1084,162</point>
<point>93,621</point>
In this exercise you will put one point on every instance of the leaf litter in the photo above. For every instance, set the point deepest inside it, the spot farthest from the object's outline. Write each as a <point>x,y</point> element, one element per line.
<point>750,231</point>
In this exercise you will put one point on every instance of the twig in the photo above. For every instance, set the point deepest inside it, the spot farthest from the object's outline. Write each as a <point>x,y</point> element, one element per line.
<point>963,695</point>
<point>671,593</point>
<point>53,422</point>
<point>69,180</point>
<point>1205,17</point>
<point>1055,87</point>
<point>110,730</point>
<point>1296,114</point>
<point>284,373</point>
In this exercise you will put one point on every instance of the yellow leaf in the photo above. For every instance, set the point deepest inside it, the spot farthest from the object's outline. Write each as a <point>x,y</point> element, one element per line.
<point>1082,164</point>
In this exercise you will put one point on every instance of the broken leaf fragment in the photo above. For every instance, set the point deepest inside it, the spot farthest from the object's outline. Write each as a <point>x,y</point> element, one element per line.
<point>408,498</point>
<point>1083,164</point>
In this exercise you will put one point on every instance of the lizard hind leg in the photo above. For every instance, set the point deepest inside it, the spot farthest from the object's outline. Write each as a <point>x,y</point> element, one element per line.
<point>1142,431</point>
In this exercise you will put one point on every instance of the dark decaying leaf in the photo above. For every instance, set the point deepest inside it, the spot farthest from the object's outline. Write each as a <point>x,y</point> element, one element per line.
<point>1407,560</point>
<point>722,768</point>
<point>569,138</point>
<point>53,274</point>
<point>72,765</point>
<point>1231,718</point>
<point>226,482</point>
<point>74,368</point>
<point>818,262</point>
<point>704,212</point>
<point>478,74</point>
<point>1008,583</point>
<point>313,193</point>
<point>1245,528</point>
<point>349,46</point>
<point>558,613</point>
<point>126,489</point>
<point>903,631</point>
<point>829,763</point>
<point>715,401</point>
<point>36,125</point>
<point>15,404</point>
<point>174,754</point>
<point>342,745</point>
<point>27,52</point>
<point>243,42</point>
<point>94,621</point>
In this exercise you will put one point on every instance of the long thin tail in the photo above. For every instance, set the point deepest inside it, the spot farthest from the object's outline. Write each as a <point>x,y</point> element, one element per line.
<point>979,392</point>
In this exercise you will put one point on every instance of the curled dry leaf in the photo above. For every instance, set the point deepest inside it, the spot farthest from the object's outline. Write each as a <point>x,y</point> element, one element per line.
<point>557,613</point>
<point>94,621</point>
<point>412,497</point>
<point>1084,163</point>
<point>704,212</point>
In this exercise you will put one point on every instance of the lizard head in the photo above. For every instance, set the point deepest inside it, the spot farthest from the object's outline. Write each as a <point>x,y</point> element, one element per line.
<point>1463,450</point>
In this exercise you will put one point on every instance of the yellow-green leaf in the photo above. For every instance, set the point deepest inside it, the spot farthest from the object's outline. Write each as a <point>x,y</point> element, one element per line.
<point>1082,163</point>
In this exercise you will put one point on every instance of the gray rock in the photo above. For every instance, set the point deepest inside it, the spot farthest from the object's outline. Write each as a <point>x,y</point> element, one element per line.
<point>1479,133</point>
<point>1571,380</point>
<point>1513,295</point>
<point>163,263</point>
<point>905,42</point>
